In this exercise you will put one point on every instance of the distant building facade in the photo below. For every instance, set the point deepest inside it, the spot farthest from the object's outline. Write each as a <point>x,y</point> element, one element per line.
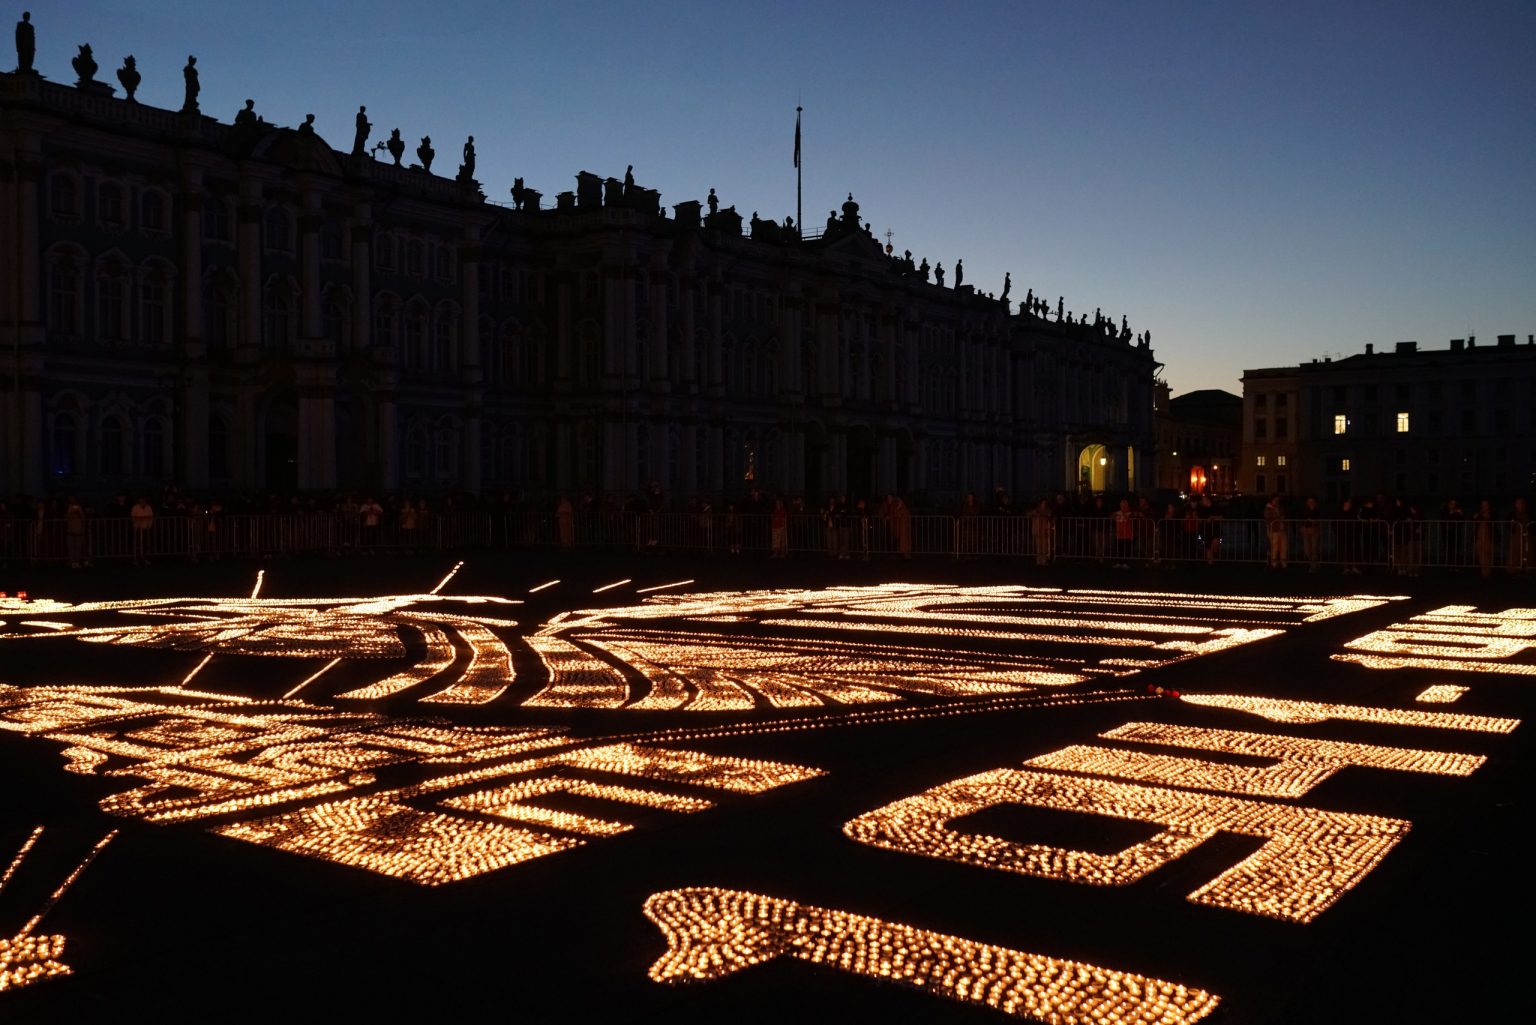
<point>242,307</point>
<point>1199,439</point>
<point>1454,422</point>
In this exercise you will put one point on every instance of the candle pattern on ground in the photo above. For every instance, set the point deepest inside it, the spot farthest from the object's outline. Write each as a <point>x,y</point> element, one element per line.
<point>713,932</point>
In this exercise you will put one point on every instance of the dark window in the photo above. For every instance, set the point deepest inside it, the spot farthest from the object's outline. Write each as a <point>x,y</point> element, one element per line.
<point>154,212</point>
<point>111,447</point>
<point>152,306</point>
<point>109,205</point>
<point>275,230</point>
<point>63,197</point>
<point>216,222</point>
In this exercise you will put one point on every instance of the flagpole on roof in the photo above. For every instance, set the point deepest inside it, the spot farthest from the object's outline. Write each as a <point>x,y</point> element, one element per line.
<point>799,213</point>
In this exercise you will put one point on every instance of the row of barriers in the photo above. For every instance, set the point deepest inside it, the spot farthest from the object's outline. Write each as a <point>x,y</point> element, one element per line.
<point>1406,546</point>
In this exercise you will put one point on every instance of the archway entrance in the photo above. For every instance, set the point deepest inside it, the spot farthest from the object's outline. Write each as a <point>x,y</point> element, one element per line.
<point>1094,468</point>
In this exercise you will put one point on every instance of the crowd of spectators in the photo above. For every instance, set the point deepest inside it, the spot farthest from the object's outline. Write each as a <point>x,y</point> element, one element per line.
<point>1402,534</point>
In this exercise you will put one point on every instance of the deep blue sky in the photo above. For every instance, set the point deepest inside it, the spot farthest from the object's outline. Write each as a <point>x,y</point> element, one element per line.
<point>1258,184</point>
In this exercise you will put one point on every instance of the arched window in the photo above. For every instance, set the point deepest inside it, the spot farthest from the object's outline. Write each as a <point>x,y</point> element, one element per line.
<point>64,295</point>
<point>109,206</point>
<point>442,341</point>
<point>414,263</point>
<point>66,445</point>
<point>335,319</point>
<point>415,337</point>
<point>216,310</point>
<point>277,319</point>
<point>330,241</point>
<point>416,453</point>
<point>384,251</point>
<point>384,323</point>
<point>63,197</point>
<point>112,303</point>
<point>154,318</point>
<point>445,452</point>
<point>112,442</point>
<point>274,230</point>
<point>154,217</point>
<point>153,460</point>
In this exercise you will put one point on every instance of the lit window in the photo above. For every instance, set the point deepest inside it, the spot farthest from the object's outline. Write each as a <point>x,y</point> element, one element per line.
<point>1344,465</point>
<point>1340,423</point>
<point>1279,460</point>
<point>1402,423</point>
<point>1261,461</point>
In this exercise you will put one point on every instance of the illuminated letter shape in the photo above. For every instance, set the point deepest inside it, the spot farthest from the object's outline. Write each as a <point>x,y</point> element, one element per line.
<point>377,834</point>
<point>1310,858</point>
<point>1453,637</point>
<point>1297,764</point>
<point>1285,710</point>
<point>712,933</point>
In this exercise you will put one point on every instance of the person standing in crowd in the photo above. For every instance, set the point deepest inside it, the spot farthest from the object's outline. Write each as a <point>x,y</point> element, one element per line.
<point>1522,538</point>
<point>1211,521</point>
<point>143,517</point>
<point>1274,527</point>
<point>1310,529</point>
<point>1125,534</point>
<point>1482,537</point>
<point>74,532</point>
<point>901,525</point>
<point>370,513</point>
<point>778,529</point>
<point>1041,527</point>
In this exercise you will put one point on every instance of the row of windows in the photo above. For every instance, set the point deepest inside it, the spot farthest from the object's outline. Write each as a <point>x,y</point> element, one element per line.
<point>112,207</point>
<point>118,447</point>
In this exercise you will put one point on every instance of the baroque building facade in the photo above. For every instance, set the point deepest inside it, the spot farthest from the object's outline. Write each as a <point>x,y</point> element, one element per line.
<point>1438,423</point>
<point>242,307</point>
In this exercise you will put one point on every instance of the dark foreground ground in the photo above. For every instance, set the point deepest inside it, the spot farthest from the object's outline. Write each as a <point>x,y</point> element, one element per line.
<point>177,921</point>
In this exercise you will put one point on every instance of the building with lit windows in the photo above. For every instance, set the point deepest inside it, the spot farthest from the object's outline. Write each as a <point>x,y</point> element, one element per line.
<point>1199,435</point>
<point>242,307</point>
<point>1454,422</point>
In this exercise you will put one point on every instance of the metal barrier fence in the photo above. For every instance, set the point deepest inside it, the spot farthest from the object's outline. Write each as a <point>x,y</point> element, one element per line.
<point>1404,546</point>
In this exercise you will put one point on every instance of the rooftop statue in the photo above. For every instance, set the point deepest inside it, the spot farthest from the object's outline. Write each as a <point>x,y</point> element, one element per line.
<point>129,75</point>
<point>308,127</point>
<point>26,42</point>
<point>396,146</point>
<point>959,273</point>
<point>519,194</point>
<point>189,74</point>
<point>1061,304</point>
<point>629,178</point>
<point>246,118</point>
<point>84,65</point>
<point>1029,300</point>
<point>714,202</point>
<point>922,269</point>
<point>938,274</point>
<point>360,139</point>
<point>791,232</point>
<point>425,153</point>
<point>1007,284</point>
<point>467,168</point>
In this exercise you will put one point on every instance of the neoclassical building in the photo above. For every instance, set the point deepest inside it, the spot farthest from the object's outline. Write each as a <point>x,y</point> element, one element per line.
<point>242,307</point>
<point>1432,423</point>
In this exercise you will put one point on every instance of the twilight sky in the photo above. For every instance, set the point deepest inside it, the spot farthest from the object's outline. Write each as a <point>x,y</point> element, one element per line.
<point>1258,184</point>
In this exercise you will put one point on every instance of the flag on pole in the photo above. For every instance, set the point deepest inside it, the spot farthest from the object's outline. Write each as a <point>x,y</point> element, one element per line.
<point>797,136</point>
